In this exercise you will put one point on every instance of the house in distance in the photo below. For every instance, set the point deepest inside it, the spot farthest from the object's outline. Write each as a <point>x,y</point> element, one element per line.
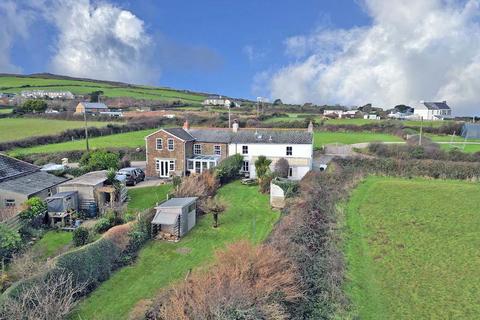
<point>432,110</point>
<point>91,107</point>
<point>219,101</point>
<point>184,151</point>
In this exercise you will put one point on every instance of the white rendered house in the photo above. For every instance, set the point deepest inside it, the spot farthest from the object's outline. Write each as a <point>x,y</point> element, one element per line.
<point>432,110</point>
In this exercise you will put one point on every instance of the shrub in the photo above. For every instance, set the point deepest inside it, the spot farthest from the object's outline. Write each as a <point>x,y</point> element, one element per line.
<point>229,168</point>
<point>10,242</point>
<point>202,186</point>
<point>262,166</point>
<point>119,235</point>
<point>289,187</point>
<point>100,160</point>
<point>281,168</point>
<point>33,106</point>
<point>102,225</point>
<point>80,236</point>
<point>35,207</point>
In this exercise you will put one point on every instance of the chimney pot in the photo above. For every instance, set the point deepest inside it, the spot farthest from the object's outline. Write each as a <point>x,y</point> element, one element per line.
<point>310,127</point>
<point>235,126</point>
<point>186,125</point>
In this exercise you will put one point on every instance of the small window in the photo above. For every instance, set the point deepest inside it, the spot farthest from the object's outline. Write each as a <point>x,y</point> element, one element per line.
<point>49,192</point>
<point>290,172</point>
<point>246,166</point>
<point>159,144</point>
<point>190,165</point>
<point>171,165</point>
<point>171,144</point>
<point>191,207</point>
<point>289,151</point>
<point>197,149</point>
<point>244,149</point>
<point>9,202</point>
<point>217,150</point>
<point>157,165</point>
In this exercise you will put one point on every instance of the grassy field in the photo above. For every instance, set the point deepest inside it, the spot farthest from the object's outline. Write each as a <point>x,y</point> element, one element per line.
<point>426,123</point>
<point>53,243</point>
<point>122,140</point>
<point>12,129</point>
<point>412,249</point>
<point>5,110</point>
<point>468,148</point>
<point>325,137</point>
<point>160,263</point>
<point>449,138</point>
<point>17,84</point>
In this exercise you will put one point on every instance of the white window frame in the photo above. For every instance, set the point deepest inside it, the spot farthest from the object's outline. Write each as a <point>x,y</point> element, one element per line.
<point>9,203</point>
<point>171,165</point>
<point>170,142</point>
<point>217,150</point>
<point>246,165</point>
<point>161,143</point>
<point>287,151</point>
<point>195,150</point>
<point>244,148</point>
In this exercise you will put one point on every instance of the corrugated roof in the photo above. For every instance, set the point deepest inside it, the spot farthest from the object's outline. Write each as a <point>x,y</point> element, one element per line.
<point>167,218</point>
<point>89,179</point>
<point>31,183</point>
<point>180,133</point>
<point>436,105</point>
<point>11,167</point>
<point>177,202</point>
<point>94,105</point>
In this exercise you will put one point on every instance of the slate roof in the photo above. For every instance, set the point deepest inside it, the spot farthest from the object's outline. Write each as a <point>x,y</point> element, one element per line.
<point>177,202</point>
<point>94,105</point>
<point>11,167</point>
<point>31,183</point>
<point>215,135</point>
<point>180,133</point>
<point>436,105</point>
<point>89,179</point>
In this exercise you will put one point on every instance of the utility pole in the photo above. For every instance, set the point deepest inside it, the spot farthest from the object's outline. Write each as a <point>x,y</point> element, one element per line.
<point>229,116</point>
<point>86,127</point>
<point>421,132</point>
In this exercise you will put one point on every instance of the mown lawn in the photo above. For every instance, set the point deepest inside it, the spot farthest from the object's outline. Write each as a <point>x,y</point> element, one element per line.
<point>12,129</point>
<point>5,110</point>
<point>160,263</point>
<point>412,249</point>
<point>322,138</point>
<point>121,140</point>
<point>144,198</point>
<point>53,243</point>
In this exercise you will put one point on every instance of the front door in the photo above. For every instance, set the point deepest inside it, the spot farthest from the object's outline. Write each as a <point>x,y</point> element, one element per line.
<point>163,168</point>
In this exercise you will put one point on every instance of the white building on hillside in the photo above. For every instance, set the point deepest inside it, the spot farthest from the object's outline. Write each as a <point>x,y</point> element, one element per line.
<point>432,110</point>
<point>219,101</point>
<point>39,94</point>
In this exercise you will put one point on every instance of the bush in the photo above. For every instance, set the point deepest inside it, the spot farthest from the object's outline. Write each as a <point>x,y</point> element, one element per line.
<point>281,168</point>
<point>10,242</point>
<point>35,207</point>
<point>202,186</point>
<point>80,236</point>
<point>33,106</point>
<point>100,160</point>
<point>102,225</point>
<point>229,168</point>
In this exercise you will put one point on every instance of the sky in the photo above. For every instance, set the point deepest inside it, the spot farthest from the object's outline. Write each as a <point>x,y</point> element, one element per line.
<point>347,52</point>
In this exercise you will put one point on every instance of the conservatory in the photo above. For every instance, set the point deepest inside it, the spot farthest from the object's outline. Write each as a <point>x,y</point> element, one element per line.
<point>200,163</point>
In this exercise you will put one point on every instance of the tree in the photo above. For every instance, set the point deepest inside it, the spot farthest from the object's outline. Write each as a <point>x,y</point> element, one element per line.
<point>262,166</point>
<point>95,95</point>
<point>34,207</point>
<point>277,102</point>
<point>215,207</point>
<point>10,242</point>
<point>99,160</point>
<point>281,168</point>
<point>34,106</point>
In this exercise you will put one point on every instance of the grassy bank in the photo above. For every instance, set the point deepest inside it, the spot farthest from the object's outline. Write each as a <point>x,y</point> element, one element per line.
<point>412,249</point>
<point>12,129</point>
<point>324,137</point>
<point>53,243</point>
<point>159,263</point>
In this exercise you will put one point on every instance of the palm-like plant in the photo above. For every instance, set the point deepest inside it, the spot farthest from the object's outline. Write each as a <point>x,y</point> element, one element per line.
<point>262,166</point>
<point>215,207</point>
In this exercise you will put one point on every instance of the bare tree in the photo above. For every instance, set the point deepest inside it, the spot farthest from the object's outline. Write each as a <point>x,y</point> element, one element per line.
<point>50,298</point>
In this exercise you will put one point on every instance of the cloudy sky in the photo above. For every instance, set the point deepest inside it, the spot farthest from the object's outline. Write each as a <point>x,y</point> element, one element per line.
<point>349,52</point>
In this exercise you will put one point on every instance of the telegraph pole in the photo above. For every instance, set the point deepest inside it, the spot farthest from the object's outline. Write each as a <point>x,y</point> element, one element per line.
<point>421,131</point>
<point>86,127</point>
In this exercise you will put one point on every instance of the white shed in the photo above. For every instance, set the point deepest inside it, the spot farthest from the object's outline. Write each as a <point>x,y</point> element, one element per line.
<point>175,217</point>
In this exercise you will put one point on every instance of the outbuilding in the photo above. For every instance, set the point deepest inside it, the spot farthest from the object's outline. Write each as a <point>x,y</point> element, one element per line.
<point>174,218</point>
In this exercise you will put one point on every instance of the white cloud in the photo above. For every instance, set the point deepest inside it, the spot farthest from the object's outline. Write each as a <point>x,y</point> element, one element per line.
<point>14,23</point>
<point>100,41</point>
<point>414,50</point>
<point>253,53</point>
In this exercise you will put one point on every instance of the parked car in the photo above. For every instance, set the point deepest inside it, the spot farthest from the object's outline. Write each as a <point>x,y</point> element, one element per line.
<point>133,175</point>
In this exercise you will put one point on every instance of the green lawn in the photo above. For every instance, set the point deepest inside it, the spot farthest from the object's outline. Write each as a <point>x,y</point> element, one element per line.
<point>449,138</point>
<point>412,249</point>
<point>326,137</point>
<point>5,110</point>
<point>12,129</point>
<point>160,263</point>
<point>17,84</point>
<point>53,243</point>
<point>144,198</point>
<point>432,123</point>
<point>468,148</point>
<point>122,140</point>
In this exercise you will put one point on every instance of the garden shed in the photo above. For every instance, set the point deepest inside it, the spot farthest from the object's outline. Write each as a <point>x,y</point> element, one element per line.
<point>471,131</point>
<point>60,207</point>
<point>174,218</point>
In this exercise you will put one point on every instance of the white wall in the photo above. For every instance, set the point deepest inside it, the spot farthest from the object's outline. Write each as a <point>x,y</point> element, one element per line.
<point>274,151</point>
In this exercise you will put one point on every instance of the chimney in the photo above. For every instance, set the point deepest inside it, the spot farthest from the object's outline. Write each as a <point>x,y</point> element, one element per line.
<point>235,126</point>
<point>186,125</point>
<point>310,127</point>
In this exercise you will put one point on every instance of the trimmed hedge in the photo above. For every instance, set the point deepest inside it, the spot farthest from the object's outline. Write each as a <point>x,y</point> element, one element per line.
<point>229,168</point>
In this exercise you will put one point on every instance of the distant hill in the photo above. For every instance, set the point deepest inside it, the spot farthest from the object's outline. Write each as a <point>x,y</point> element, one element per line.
<point>13,83</point>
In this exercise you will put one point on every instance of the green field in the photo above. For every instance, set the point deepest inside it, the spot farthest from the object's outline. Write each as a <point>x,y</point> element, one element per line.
<point>53,243</point>
<point>449,138</point>
<point>121,140</point>
<point>5,111</point>
<point>12,129</point>
<point>432,123</point>
<point>322,138</point>
<point>468,148</point>
<point>17,84</point>
<point>160,263</point>
<point>412,249</point>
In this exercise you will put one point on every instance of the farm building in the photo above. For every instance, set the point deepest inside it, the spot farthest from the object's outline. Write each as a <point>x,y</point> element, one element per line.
<point>94,194</point>
<point>20,181</point>
<point>91,107</point>
<point>174,218</point>
<point>471,131</point>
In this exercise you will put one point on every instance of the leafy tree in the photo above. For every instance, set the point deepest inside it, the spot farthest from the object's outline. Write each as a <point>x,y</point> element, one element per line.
<point>215,207</point>
<point>95,95</point>
<point>10,242</point>
<point>35,207</point>
<point>281,168</point>
<point>262,166</point>
<point>229,168</point>
<point>34,106</point>
<point>277,102</point>
<point>80,236</point>
<point>100,160</point>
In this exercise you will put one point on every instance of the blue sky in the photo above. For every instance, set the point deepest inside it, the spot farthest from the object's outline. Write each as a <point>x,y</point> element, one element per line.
<point>348,52</point>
